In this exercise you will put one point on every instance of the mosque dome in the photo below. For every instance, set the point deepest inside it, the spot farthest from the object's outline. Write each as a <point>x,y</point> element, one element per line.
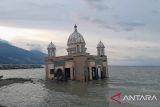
<point>51,46</point>
<point>75,38</point>
<point>100,45</point>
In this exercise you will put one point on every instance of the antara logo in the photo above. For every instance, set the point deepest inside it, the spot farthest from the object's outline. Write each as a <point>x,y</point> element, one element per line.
<point>118,98</point>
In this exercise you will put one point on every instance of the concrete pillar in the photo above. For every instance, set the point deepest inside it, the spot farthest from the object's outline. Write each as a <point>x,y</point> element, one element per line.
<point>90,72</point>
<point>71,73</point>
<point>107,74</point>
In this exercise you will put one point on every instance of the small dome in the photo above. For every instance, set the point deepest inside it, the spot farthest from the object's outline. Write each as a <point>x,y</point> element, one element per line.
<point>51,46</point>
<point>75,38</point>
<point>100,45</point>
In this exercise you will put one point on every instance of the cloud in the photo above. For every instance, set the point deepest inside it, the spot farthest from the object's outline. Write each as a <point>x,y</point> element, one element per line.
<point>156,12</point>
<point>104,24</point>
<point>119,26</point>
<point>31,13</point>
<point>134,31</point>
<point>98,22</point>
<point>97,4</point>
<point>34,46</point>
<point>129,26</point>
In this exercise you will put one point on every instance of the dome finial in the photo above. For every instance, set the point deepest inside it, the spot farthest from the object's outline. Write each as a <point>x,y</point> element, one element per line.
<point>75,28</point>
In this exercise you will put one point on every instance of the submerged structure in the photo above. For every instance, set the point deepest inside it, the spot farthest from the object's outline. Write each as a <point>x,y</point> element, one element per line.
<point>78,64</point>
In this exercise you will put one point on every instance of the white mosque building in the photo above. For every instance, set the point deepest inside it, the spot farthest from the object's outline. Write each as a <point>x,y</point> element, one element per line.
<point>78,64</point>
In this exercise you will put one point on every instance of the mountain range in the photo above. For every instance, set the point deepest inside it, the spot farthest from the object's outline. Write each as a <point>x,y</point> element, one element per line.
<point>10,54</point>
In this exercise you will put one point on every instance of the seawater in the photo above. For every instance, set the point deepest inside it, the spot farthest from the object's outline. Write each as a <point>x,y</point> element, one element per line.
<point>128,80</point>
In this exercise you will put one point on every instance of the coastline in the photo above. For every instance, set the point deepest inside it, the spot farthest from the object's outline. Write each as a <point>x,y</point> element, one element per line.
<point>19,66</point>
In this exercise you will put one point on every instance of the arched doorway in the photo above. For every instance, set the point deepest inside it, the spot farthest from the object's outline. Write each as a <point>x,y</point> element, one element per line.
<point>94,73</point>
<point>59,75</point>
<point>67,73</point>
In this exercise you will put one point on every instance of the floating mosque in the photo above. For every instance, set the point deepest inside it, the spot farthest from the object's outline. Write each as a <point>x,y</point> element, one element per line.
<point>78,64</point>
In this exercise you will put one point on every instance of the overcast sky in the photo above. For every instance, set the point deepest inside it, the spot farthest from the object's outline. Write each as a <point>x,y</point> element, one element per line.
<point>130,29</point>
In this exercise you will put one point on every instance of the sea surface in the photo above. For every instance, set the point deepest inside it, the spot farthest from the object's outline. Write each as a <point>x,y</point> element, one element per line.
<point>128,80</point>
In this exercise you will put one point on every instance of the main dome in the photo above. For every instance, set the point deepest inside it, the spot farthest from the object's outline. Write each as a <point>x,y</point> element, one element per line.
<point>75,38</point>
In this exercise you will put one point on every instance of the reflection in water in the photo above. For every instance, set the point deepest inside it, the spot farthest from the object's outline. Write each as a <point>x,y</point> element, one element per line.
<point>78,94</point>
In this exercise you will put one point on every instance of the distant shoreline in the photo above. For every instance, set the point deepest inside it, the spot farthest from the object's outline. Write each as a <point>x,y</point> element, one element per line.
<point>19,66</point>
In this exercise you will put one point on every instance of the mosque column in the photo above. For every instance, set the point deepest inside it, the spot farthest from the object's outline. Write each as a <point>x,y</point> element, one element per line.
<point>90,72</point>
<point>71,73</point>
<point>107,75</point>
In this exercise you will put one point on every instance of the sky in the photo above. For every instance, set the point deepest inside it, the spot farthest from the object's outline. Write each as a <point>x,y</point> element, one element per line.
<point>129,29</point>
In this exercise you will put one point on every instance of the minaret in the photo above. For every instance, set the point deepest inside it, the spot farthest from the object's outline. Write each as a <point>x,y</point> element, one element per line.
<point>51,50</point>
<point>100,49</point>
